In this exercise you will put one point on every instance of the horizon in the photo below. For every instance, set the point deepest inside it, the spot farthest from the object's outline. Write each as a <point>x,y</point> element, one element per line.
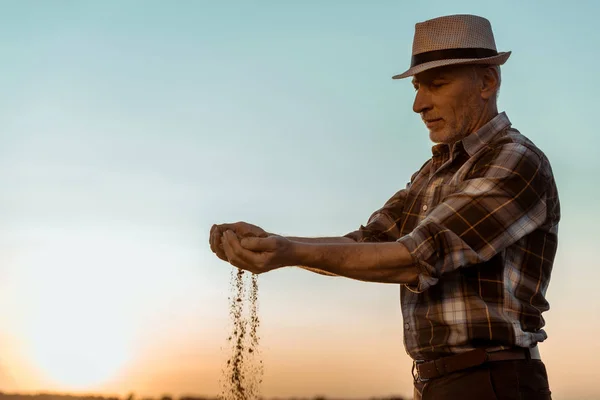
<point>131,396</point>
<point>129,128</point>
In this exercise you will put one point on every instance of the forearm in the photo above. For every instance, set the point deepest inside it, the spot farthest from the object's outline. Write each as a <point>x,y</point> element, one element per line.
<point>322,240</point>
<point>388,262</point>
<point>317,240</point>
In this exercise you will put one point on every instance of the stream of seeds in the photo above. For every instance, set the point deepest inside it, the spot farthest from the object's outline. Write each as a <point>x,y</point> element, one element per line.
<point>244,369</point>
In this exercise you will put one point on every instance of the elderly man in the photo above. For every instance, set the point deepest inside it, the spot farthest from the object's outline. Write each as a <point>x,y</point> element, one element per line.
<point>470,240</point>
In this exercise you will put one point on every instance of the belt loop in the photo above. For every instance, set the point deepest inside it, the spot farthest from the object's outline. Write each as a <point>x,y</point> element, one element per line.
<point>415,371</point>
<point>414,367</point>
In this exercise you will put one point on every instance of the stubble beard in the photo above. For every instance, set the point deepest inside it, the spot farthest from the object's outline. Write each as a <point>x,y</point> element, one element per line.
<point>448,134</point>
<point>452,133</point>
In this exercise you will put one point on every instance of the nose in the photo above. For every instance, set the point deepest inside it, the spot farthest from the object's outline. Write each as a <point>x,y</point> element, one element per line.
<point>422,101</point>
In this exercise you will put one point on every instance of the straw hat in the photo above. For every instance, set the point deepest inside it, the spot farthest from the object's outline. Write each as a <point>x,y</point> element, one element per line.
<point>453,39</point>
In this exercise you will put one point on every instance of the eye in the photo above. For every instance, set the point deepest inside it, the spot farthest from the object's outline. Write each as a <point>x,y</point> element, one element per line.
<point>437,84</point>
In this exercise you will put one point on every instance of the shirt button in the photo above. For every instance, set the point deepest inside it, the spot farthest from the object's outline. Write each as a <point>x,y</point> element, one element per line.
<point>425,207</point>
<point>407,326</point>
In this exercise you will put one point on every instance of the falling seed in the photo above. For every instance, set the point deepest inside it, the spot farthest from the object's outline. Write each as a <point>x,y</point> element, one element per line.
<point>244,374</point>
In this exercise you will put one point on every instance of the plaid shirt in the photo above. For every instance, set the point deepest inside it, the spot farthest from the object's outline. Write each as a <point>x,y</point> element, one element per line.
<point>481,220</point>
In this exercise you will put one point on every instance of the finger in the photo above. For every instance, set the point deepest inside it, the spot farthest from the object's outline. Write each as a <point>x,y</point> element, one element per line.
<point>213,238</point>
<point>244,229</point>
<point>258,232</point>
<point>239,228</point>
<point>253,261</point>
<point>221,253</point>
<point>259,244</point>
<point>227,249</point>
<point>233,252</point>
<point>236,228</point>
<point>225,227</point>
<point>215,243</point>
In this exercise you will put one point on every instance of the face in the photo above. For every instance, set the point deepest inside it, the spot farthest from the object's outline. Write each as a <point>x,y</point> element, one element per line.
<point>452,101</point>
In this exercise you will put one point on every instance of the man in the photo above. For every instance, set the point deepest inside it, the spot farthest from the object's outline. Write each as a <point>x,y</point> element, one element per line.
<point>471,239</point>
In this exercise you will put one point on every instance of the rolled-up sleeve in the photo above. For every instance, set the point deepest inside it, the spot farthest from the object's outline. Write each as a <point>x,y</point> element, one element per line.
<point>382,225</point>
<point>501,200</point>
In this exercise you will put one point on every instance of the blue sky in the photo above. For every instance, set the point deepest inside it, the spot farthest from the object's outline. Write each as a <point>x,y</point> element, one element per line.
<point>128,128</point>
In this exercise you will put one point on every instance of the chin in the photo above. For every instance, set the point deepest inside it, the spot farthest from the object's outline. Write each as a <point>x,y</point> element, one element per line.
<point>437,137</point>
<point>441,136</point>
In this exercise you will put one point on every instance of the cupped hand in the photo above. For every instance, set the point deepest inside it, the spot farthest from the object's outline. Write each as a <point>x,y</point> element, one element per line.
<point>241,229</point>
<point>257,254</point>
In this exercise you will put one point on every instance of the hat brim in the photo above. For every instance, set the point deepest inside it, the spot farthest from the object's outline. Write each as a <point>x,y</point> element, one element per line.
<point>495,60</point>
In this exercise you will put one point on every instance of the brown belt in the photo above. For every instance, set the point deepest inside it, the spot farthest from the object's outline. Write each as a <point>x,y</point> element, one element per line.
<point>427,370</point>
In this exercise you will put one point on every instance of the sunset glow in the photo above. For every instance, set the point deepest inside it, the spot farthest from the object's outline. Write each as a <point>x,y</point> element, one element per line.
<point>128,128</point>
<point>76,331</point>
<point>78,353</point>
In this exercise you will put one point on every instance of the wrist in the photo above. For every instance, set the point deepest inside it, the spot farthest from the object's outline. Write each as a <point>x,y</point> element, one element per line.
<point>296,254</point>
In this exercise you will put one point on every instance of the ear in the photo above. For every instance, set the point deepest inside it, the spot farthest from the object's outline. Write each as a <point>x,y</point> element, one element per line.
<point>490,82</point>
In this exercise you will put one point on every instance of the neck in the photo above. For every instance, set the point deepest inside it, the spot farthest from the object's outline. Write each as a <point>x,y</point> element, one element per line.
<point>487,114</point>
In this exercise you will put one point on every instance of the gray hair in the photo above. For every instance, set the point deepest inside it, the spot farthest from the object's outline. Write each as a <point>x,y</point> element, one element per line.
<point>497,68</point>
<point>477,68</point>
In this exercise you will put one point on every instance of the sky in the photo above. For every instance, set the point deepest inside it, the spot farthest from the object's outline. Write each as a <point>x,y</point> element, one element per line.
<point>128,128</point>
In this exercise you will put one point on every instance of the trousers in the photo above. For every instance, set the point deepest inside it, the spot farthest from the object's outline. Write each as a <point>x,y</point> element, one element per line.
<point>498,380</point>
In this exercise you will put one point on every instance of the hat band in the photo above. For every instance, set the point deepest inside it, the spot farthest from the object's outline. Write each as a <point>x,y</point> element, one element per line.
<point>449,54</point>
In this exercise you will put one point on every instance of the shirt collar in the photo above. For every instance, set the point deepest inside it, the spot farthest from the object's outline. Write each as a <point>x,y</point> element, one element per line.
<point>484,135</point>
<point>476,140</point>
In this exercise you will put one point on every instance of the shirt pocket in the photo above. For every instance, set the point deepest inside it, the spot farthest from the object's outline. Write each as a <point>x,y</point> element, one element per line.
<point>442,192</point>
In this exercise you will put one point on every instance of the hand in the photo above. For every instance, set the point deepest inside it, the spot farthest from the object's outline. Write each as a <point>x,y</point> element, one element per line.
<point>256,254</point>
<point>241,229</point>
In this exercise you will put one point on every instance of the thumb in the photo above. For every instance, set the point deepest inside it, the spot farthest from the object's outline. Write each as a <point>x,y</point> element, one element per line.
<point>259,244</point>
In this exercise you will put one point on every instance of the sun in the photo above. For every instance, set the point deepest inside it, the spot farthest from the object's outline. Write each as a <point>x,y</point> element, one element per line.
<point>75,343</point>
<point>85,304</point>
<point>77,329</point>
<point>78,354</point>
